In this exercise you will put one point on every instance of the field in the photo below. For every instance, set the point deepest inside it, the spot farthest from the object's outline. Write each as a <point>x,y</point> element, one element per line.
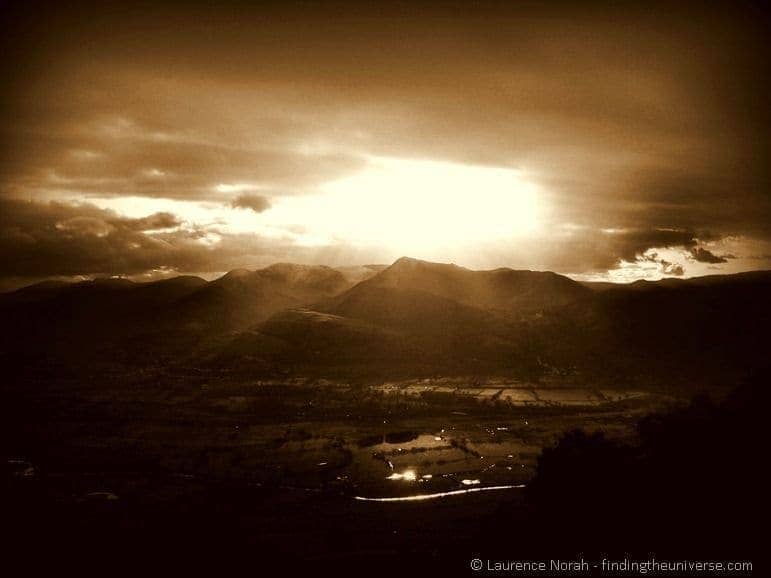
<point>272,459</point>
<point>314,435</point>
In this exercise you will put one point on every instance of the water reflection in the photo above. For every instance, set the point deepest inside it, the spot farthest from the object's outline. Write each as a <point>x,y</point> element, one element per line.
<point>420,497</point>
<point>406,475</point>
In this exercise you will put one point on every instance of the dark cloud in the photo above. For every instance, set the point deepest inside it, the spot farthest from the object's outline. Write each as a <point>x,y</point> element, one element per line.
<point>676,270</point>
<point>256,203</point>
<point>590,249</point>
<point>667,267</point>
<point>160,220</point>
<point>702,255</point>
<point>582,250</point>
<point>85,226</point>
<point>628,244</point>
<point>50,239</point>
<point>119,156</point>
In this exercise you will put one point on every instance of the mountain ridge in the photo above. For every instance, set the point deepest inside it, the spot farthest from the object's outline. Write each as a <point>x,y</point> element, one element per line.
<point>354,271</point>
<point>411,318</point>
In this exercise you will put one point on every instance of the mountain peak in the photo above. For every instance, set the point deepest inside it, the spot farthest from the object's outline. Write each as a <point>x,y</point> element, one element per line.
<point>286,268</point>
<point>403,263</point>
<point>412,263</point>
<point>236,274</point>
<point>499,289</point>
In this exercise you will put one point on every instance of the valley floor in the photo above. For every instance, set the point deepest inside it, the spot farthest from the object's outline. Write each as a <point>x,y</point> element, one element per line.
<point>281,464</point>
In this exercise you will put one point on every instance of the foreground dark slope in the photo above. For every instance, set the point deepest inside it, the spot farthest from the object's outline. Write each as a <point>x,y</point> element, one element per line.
<point>712,324</point>
<point>67,325</point>
<point>413,318</point>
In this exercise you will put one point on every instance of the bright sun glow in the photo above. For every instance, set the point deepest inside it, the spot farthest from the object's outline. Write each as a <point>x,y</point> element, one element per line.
<point>411,205</point>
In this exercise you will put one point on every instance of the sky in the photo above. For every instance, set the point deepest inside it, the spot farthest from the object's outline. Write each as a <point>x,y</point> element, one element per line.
<point>606,141</point>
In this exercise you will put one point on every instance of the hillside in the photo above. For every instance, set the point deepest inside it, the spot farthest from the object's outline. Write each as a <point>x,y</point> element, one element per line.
<point>499,290</point>
<point>412,318</point>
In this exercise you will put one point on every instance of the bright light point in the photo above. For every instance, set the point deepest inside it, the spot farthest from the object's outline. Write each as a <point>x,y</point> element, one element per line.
<point>406,475</point>
<point>469,482</point>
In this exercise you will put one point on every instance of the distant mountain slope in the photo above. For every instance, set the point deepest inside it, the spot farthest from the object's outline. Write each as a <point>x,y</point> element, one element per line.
<point>502,290</point>
<point>450,319</point>
<point>69,323</point>
<point>735,279</point>
<point>356,274</point>
<point>242,298</point>
<point>412,318</point>
<point>116,319</point>
<point>311,342</point>
<point>442,316</point>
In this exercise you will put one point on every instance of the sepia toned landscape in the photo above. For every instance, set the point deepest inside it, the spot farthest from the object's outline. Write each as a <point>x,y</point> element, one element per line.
<point>319,407</point>
<point>383,289</point>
